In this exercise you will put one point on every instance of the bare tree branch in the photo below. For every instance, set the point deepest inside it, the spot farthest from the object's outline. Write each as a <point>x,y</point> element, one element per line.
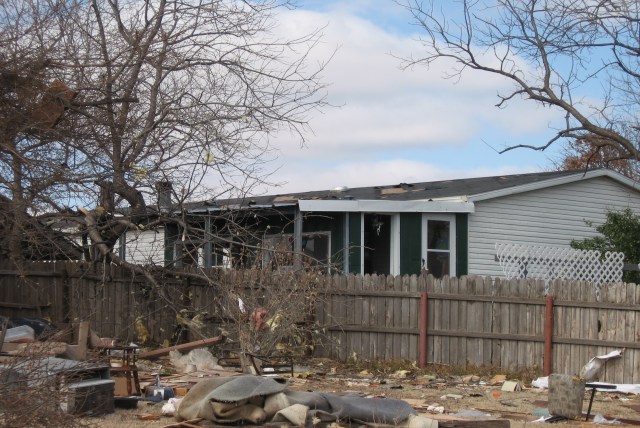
<point>550,50</point>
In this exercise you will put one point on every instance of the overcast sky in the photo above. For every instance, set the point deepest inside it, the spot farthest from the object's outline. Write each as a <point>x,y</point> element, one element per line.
<point>396,126</point>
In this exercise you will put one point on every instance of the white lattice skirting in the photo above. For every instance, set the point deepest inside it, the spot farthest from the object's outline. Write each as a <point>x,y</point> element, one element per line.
<point>549,263</point>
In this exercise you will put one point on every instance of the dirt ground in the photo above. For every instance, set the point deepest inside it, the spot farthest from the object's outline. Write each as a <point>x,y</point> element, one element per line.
<point>458,394</point>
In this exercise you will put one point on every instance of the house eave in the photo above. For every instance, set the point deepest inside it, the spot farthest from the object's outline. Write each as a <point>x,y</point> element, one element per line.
<point>237,207</point>
<point>419,206</point>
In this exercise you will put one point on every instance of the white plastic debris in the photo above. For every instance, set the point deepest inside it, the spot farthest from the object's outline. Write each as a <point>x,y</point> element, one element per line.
<point>171,407</point>
<point>435,408</point>
<point>472,414</point>
<point>22,333</point>
<point>591,370</point>
<point>623,388</point>
<point>601,420</point>
<point>541,382</point>
<point>198,359</point>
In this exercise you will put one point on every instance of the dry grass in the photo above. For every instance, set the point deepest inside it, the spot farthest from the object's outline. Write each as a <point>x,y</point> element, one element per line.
<point>384,368</point>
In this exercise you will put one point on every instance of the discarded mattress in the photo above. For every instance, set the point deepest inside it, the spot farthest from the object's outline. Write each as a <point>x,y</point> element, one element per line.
<point>256,400</point>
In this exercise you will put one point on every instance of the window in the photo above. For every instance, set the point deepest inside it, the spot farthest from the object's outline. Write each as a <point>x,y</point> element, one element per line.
<point>279,250</point>
<point>438,254</point>
<point>380,244</point>
<point>220,256</point>
<point>316,246</point>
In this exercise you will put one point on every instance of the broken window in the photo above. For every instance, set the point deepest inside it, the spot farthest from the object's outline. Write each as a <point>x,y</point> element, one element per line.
<point>279,250</point>
<point>377,244</point>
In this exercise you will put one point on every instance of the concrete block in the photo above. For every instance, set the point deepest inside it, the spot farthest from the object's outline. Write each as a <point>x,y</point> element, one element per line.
<point>566,395</point>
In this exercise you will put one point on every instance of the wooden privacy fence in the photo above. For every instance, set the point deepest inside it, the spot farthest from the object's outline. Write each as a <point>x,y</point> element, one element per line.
<point>483,321</point>
<point>110,298</point>
<point>454,321</point>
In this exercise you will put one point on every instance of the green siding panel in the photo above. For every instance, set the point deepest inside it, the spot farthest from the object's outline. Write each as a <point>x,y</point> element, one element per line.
<point>355,239</point>
<point>462,244</point>
<point>410,243</point>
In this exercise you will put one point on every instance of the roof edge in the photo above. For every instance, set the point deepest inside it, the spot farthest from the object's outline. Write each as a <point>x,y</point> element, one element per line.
<point>578,176</point>
<point>372,205</point>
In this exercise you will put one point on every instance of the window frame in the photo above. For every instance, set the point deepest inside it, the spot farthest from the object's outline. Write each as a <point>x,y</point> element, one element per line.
<point>394,241</point>
<point>451,219</point>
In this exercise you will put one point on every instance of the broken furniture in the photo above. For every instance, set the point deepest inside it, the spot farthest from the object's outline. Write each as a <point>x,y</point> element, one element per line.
<point>257,364</point>
<point>85,387</point>
<point>122,361</point>
<point>593,387</point>
<point>77,349</point>
<point>64,340</point>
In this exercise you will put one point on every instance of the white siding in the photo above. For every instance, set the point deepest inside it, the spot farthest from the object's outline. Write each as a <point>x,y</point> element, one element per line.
<point>145,247</point>
<point>552,216</point>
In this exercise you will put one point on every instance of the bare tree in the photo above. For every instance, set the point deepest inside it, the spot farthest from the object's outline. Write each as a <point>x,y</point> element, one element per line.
<point>555,53</point>
<point>105,102</point>
<point>104,99</point>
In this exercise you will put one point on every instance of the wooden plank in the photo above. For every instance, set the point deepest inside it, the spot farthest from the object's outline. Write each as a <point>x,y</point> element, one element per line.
<point>396,339</point>
<point>371,315</point>
<point>624,294</point>
<point>188,424</point>
<point>431,318</point>
<point>365,305</point>
<point>119,319</point>
<point>405,313</point>
<point>578,327</point>
<point>437,311</point>
<point>631,370</point>
<point>453,351</point>
<point>355,309</point>
<point>510,324</point>
<point>414,319</point>
<point>183,347</point>
<point>341,351</point>
<point>484,286</point>
<point>501,324</point>
<point>23,305</point>
<point>31,273</point>
<point>380,285</point>
<point>389,319</point>
<point>502,299</point>
<point>586,326</point>
<point>447,306</point>
<point>470,321</point>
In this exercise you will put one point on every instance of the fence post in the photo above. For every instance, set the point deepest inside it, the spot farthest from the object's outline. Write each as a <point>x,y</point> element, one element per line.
<point>548,337</point>
<point>423,330</point>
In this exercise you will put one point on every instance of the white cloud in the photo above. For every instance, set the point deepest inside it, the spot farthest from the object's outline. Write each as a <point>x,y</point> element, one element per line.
<point>385,110</point>
<point>306,177</point>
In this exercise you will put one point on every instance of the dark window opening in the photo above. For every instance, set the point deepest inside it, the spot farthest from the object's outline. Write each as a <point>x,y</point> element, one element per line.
<point>377,244</point>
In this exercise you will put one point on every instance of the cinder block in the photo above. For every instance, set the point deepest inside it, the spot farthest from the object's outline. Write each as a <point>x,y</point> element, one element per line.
<point>566,395</point>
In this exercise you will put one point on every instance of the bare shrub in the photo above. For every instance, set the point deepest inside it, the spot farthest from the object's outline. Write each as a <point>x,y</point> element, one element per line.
<point>33,392</point>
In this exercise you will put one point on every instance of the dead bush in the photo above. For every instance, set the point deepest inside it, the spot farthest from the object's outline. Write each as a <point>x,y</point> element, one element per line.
<point>34,394</point>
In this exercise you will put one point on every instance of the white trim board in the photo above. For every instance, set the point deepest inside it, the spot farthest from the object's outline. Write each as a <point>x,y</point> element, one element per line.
<point>386,206</point>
